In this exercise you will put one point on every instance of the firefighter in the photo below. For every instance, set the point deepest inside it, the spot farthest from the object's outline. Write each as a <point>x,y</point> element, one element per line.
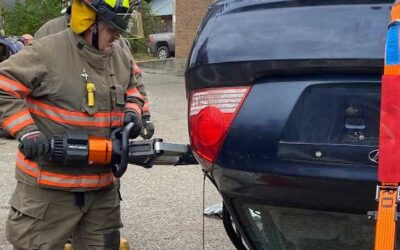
<point>75,79</point>
<point>54,25</point>
<point>62,22</point>
<point>57,24</point>
<point>26,39</point>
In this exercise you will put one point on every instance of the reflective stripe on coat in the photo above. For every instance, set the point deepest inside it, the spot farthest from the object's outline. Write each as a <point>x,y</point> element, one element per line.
<point>62,180</point>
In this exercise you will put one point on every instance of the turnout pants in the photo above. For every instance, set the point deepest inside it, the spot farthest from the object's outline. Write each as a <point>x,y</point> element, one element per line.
<point>44,219</point>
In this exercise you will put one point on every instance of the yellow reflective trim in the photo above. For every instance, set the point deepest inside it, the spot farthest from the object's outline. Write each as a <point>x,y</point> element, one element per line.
<point>125,4</point>
<point>111,3</point>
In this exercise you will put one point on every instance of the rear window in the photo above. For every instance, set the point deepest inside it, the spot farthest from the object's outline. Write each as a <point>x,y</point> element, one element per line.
<point>292,228</point>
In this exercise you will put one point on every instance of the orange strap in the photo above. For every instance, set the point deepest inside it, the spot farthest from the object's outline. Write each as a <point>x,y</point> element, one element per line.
<point>389,139</point>
<point>385,232</point>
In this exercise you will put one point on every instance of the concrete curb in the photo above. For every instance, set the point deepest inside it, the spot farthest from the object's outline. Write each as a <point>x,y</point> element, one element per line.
<point>175,66</point>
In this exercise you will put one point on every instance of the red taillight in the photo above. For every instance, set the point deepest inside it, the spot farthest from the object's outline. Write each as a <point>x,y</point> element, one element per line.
<point>211,113</point>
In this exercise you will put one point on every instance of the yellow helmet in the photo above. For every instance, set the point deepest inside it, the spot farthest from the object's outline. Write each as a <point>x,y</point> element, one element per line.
<point>114,12</point>
<point>82,16</point>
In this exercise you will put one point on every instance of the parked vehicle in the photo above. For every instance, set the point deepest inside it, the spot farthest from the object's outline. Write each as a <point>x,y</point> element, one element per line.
<point>9,46</point>
<point>284,102</point>
<point>162,45</point>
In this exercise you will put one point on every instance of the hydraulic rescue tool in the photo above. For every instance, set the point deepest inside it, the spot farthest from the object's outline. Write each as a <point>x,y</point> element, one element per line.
<point>387,192</point>
<point>75,147</point>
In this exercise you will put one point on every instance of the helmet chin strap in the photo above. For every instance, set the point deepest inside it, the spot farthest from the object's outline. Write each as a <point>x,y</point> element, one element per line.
<point>95,37</point>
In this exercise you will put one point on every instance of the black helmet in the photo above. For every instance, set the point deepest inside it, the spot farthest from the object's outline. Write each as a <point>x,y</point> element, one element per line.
<point>114,12</point>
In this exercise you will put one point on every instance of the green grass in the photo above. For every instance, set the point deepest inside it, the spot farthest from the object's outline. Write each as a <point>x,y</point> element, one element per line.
<point>143,56</point>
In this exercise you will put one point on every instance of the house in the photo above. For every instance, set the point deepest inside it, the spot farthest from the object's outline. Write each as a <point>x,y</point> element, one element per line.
<point>4,3</point>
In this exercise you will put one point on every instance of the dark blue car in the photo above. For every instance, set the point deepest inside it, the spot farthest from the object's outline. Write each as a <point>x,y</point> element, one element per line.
<point>284,100</point>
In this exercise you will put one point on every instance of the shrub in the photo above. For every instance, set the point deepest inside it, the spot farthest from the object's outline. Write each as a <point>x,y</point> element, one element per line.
<point>138,45</point>
<point>27,16</point>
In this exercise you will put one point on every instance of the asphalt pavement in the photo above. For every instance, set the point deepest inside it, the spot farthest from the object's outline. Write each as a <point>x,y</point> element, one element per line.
<point>162,207</point>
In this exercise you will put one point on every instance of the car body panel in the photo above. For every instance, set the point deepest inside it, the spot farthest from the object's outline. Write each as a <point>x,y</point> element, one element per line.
<point>300,31</point>
<point>306,135</point>
<point>264,129</point>
<point>333,38</point>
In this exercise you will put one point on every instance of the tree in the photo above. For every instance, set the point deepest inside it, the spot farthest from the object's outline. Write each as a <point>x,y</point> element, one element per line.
<point>151,24</point>
<point>27,16</point>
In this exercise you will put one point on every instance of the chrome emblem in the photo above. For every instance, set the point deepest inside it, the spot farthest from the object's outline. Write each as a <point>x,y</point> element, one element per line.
<point>373,156</point>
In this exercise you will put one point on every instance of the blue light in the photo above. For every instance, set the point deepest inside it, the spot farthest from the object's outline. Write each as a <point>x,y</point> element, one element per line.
<point>392,45</point>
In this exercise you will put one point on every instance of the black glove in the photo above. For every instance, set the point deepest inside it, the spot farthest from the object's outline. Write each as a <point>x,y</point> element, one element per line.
<point>148,128</point>
<point>131,116</point>
<point>33,144</point>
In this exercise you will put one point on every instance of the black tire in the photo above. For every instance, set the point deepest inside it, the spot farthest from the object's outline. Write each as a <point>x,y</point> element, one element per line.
<point>163,52</point>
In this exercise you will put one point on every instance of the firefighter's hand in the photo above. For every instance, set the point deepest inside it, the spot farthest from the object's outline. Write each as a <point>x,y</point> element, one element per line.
<point>131,116</point>
<point>34,144</point>
<point>148,128</point>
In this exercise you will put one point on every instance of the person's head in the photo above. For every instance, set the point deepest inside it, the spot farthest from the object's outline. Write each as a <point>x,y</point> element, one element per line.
<point>27,39</point>
<point>100,21</point>
<point>101,35</point>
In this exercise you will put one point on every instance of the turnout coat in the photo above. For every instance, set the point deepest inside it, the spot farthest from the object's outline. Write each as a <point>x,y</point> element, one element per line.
<point>43,88</point>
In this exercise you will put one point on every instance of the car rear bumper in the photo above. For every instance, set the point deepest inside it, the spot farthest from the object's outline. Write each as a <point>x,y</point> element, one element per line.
<point>316,193</point>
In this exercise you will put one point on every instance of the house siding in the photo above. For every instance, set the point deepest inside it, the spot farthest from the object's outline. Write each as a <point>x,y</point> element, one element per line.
<point>189,14</point>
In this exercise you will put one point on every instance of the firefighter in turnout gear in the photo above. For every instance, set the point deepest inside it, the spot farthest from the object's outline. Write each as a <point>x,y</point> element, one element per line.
<point>62,22</point>
<point>54,25</point>
<point>57,24</point>
<point>75,79</point>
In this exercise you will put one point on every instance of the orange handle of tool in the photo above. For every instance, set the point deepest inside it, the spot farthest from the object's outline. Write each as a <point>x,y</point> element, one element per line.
<point>100,151</point>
